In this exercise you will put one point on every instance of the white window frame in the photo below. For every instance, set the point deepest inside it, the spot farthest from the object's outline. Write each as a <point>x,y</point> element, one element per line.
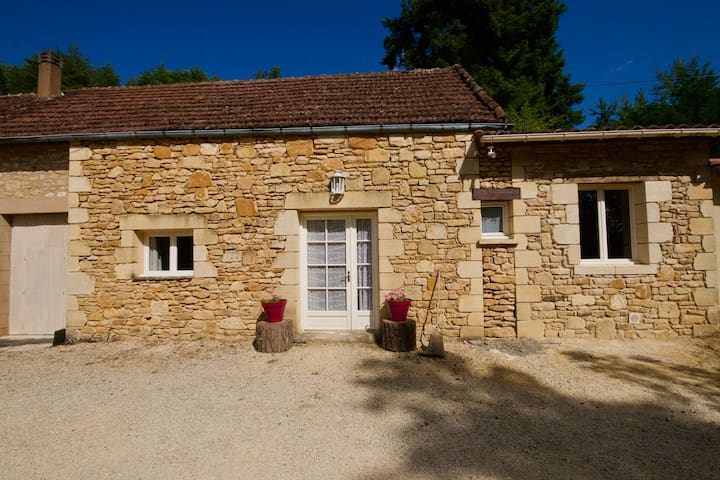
<point>173,272</point>
<point>602,223</point>
<point>505,234</point>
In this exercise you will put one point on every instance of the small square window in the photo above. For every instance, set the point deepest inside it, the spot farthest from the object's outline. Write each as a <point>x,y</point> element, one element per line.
<point>168,254</point>
<point>494,220</point>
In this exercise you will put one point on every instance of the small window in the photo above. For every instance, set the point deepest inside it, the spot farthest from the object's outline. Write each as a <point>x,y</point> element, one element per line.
<point>168,254</point>
<point>494,220</point>
<point>605,223</point>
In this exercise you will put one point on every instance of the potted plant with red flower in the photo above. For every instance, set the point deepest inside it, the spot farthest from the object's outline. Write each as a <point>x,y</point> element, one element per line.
<point>274,308</point>
<point>398,304</point>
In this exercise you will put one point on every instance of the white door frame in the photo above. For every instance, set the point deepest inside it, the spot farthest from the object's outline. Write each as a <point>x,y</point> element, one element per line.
<point>352,318</point>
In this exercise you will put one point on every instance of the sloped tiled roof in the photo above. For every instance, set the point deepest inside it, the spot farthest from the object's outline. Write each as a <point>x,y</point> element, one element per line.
<point>443,95</point>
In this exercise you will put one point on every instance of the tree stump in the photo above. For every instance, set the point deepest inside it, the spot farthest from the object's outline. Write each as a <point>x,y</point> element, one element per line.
<point>398,336</point>
<point>274,337</point>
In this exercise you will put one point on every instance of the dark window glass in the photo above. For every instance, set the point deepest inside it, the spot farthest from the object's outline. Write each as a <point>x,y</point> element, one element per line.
<point>617,218</point>
<point>589,229</point>
<point>159,254</point>
<point>185,253</point>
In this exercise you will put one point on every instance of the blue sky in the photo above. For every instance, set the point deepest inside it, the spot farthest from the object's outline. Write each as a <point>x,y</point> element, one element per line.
<point>610,46</point>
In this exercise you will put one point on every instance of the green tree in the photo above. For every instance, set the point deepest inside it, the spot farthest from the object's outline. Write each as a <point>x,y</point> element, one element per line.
<point>162,75</point>
<point>605,113</point>
<point>3,79</point>
<point>686,93</point>
<point>21,78</point>
<point>508,46</point>
<point>3,84</point>
<point>274,72</point>
<point>77,72</point>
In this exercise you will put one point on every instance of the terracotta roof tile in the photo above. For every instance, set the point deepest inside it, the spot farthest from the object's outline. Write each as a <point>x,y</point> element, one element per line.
<point>446,95</point>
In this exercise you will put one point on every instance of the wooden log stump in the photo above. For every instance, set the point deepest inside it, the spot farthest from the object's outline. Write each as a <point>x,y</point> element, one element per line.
<point>274,337</point>
<point>398,336</point>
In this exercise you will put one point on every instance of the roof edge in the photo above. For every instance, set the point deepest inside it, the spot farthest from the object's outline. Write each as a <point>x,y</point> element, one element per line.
<point>469,127</point>
<point>479,91</point>
<point>483,137</point>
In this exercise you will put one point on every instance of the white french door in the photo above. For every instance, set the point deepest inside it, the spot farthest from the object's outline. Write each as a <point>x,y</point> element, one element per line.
<point>338,272</point>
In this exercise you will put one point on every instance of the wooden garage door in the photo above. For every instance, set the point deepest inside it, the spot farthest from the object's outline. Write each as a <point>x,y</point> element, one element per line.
<point>37,274</point>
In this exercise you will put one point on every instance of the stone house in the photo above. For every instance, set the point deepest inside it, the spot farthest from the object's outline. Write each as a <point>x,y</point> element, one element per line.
<point>609,233</point>
<point>172,210</point>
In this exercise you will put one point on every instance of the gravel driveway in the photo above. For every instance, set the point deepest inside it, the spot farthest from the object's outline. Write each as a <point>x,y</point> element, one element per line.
<point>498,409</point>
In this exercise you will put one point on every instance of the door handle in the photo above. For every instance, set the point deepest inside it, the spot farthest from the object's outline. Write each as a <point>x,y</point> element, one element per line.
<point>348,276</point>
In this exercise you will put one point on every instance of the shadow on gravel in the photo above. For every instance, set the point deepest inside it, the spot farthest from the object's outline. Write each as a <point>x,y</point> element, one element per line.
<point>505,424</point>
<point>671,382</point>
<point>7,342</point>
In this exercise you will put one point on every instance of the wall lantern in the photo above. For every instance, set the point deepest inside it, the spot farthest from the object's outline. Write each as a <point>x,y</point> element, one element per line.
<point>491,152</point>
<point>337,184</point>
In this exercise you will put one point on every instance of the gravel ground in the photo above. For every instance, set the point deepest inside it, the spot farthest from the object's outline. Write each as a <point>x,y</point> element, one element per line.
<point>495,409</point>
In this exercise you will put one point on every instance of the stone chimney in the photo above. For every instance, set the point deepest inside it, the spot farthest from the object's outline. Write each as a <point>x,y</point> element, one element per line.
<point>49,74</point>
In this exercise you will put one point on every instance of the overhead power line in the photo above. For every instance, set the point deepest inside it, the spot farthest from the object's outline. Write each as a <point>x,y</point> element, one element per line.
<point>635,82</point>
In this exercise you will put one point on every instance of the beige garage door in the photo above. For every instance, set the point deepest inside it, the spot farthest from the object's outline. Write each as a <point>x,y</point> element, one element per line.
<point>37,274</point>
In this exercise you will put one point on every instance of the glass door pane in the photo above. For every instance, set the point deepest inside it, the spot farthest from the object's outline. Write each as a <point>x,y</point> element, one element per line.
<point>339,273</point>
<point>363,263</point>
<point>327,265</point>
<point>617,223</point>
<point>589,230</point>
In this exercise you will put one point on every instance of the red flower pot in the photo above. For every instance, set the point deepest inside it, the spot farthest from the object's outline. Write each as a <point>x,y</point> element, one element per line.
<point>399,310</point>
<point>274,311</point>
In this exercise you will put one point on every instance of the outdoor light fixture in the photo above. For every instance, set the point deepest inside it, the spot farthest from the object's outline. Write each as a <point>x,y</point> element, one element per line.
<point>491,152</point>
<point>337,184</point>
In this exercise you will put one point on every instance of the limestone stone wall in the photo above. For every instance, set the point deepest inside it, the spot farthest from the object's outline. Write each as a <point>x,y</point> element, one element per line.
<point>32,172</point>
<point>499,291</point>
<point>671,289</point>
<point>243,200</point>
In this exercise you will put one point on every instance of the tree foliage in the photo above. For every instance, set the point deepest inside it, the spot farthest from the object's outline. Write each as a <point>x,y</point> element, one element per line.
<point>161,74</point>
<point>508,46</point>
<point>274,72</point>
<point>77,72</point>
<point>3,83</point>
<point>687,93</point>
<point>19,78</point>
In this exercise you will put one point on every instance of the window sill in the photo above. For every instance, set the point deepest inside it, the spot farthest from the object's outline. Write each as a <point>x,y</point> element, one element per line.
<point>497,242</point>
<point>615,269</point>
<point>153,278</point>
